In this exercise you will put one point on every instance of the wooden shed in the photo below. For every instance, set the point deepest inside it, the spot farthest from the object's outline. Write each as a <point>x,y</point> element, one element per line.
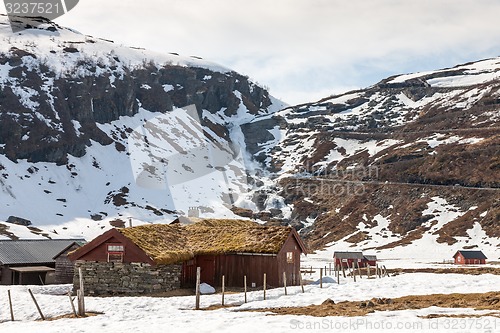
<point>233,248</point>
<point>64,267</point>
<point>31,261</point>
<point>369,259</point>
<point>346,259</point>
<point>463,257</point>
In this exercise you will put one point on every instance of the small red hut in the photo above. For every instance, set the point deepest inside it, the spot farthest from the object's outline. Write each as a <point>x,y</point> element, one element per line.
<point>346,259</point>
<point>463,257</point>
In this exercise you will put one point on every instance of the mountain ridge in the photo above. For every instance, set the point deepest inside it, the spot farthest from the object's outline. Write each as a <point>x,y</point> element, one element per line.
<point>86,126</point>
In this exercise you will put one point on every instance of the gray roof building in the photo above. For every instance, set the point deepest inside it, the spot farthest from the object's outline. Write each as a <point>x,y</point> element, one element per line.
<point>471,254</point>
<point>30,252</point>
<point>348,255</point>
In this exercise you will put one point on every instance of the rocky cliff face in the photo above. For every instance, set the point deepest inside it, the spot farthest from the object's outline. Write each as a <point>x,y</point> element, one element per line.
<point>83,119</point>
<point>49,111</point>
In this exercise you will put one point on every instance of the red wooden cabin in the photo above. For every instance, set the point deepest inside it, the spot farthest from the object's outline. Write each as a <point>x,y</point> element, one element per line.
<point>341,258</point>
<point>346,259</point>
<point>219,247</point>
<point>463,257</point>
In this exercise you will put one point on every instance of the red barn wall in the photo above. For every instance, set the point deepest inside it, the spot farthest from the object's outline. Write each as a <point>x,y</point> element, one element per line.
<point>235,266</point>
<point>349,262</point>
<point>460,260</point>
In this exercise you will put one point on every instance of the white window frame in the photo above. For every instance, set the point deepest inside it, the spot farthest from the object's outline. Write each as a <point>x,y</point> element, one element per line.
<point>116,251</point>
<point>289,258</point>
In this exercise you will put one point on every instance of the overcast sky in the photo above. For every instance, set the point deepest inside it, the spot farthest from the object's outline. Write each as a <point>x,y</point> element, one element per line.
<point>303,49</point>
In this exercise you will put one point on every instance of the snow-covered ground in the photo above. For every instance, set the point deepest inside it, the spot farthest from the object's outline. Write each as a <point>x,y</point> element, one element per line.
<point>176,314</point>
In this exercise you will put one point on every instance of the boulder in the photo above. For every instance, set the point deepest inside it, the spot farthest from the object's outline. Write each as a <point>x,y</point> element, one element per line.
<point>328,301</point>
<point>18,221</point>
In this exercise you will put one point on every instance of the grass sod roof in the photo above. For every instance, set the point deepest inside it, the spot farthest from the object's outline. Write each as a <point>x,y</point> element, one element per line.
<point>168,244</point>
<point>165,244</point>
<point>199,222</point>
<point>217,240</point>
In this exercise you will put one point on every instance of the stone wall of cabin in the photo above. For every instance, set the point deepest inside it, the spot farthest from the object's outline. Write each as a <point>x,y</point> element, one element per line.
<point>108,278</point>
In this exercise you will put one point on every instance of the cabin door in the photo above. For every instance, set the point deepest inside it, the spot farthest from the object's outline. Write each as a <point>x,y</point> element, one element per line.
<point>207,267</point>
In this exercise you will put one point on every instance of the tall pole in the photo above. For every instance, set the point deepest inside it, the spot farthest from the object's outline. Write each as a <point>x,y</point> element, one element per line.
<point>245,283</point>
<point>198,273</point>
<point>284,282</point>
<point>265,283</point>
<point>81,294</point>
<point>10,306</point>
<point>223,289</point>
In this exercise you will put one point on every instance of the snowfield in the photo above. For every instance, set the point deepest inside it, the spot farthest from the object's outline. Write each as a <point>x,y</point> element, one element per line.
<point>177,314</point>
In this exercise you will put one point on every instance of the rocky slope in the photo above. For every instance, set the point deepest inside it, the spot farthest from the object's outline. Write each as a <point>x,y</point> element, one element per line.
<point>412,159</point>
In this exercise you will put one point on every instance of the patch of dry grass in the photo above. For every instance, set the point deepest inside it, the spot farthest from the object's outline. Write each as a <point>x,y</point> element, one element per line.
<point>478,301</point>
<point>454,270</point>
<point>72,316</point>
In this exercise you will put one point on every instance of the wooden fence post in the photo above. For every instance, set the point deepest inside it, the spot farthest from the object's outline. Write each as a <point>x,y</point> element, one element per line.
<point>368,270</point>
<point>284,282</point>
<point>10,306</point>
<point>330,268</point>
<point>223,289</point>
<point>337,272</point>
<point>301,282</point>
<point>72,304</point>
<point>359,269</point>
<point>36,304</point>
<point>245,284</point>
<point>81,295</point>
<point>353,272</point>
<point>198,273</point>
<point>265,282</point>
<point>321,277</point>
<point>343,270</point>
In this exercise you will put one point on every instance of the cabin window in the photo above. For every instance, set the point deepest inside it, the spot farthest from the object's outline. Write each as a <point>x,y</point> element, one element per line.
<point>289,257</point>
<point>115,252</point>
<point>115,248</point>
<point>459,258</point>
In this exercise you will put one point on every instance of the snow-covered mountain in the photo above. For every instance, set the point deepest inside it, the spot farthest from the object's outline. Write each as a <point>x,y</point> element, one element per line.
<point>92,133</point>
<point>409,163</point>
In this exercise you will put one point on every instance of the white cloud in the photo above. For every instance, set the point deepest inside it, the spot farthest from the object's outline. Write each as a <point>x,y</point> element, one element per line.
<point>302,47</point>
